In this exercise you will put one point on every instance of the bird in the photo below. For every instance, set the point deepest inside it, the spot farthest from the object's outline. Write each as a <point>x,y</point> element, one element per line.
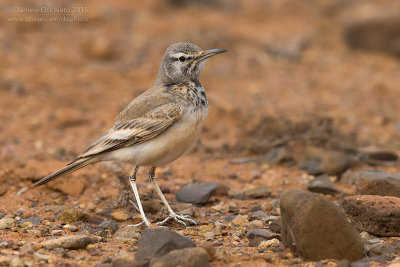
<point>156,127</point>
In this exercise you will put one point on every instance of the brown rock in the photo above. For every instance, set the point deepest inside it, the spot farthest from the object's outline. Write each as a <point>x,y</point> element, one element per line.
<point>73,215</point>
<point>314,228</point>
<point>319,161</point>
<point>188,257</point>
<point>378,215</point>
<point>380,33</point>
<point>376,182</point>
<point>69,242</point>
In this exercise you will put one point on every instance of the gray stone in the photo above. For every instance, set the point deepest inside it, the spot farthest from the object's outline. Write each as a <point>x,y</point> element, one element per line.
<point>378,215</point>
<point>256,236</point>
<point>275,225</point>
<point>69,242</point>
<point>257,192</point>
<point>258,215</point>
<point>311,222</point>
<point>322,184</point>
<point>378,249</point>
<point>156,242</point>
<point>375,182</point>
<point>196,193</point>
<point>35,220</point>
<point>188,257</point>
<point>109,224</point>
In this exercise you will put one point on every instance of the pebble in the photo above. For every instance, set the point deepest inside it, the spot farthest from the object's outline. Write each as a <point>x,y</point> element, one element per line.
<point>256,236</point>
<point>272,243</point>
<point>348,177</point>
<point>156,242</point>
<point>326,162</point>
<point>188,257</point>
<point>7,223</point>
<point>120,216</point>
<point>375,182</point>
<point>240,220</point>
<point>275,225</point>
<point>110,225</point>
<point>57,232</point>
<point>258,215</point>
<point>377,33</point>
<point>127,233</point>
<point>73,215</point>
<point>257,192</point>
<point>69,242</point>
<point>310,222</point>
<point>3,244</point>
<point>378,249</point>
<point>322,184</point>
<point>17,262</point>
<point>196,193</point>
<point>378,215</point>
<point>40,257</point>
<point>35,220</point>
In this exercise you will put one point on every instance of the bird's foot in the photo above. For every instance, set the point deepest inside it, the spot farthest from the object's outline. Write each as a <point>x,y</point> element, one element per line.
<point>178,218</point>
<point>145,221</point>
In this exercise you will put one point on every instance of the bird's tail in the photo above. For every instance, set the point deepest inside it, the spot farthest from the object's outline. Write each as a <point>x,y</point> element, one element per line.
<point>68,169</point>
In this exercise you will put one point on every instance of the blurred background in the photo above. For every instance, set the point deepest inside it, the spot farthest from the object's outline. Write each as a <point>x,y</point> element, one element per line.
<point>298,73</point>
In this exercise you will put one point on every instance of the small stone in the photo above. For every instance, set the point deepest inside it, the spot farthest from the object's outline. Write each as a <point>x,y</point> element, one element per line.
<point>109,224</point>
<point>378,215</point>
<point>348,177</point>
<point>322,184</point>
<point>68,242</point>
<point>272,243</point>
<point>120,216</point>
<point>240,220</point>
<point>58,201</point>
<point>7,223</point>
<point>35,220</point>
<point>188,257</point>
<point>304,214</point>
<point>236,194</point>
<point>73,215</point>
<point>26,225</point>
<point>156,242</point>
<point>71,187</point>
<point>40,257</point>
<point>321,161</point>
<point>258,192</point>
<point>378,249</point>
<point>127,233</point>
<point>3,244</point>
<point>275,225</point>
<point>196,193</point>
<point>256,236</point>
<point>258,215</point>
<point>375,182</point>
<point>379,32</point>
<point>57,232</point>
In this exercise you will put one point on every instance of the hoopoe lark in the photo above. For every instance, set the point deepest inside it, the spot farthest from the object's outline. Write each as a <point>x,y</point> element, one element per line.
<point>158,126</point>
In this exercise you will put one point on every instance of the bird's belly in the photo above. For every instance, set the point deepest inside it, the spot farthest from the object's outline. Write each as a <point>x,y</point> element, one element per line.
<point>167,146</point>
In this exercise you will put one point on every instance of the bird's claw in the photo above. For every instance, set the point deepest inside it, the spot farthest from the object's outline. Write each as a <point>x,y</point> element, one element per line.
<point>178,218</point>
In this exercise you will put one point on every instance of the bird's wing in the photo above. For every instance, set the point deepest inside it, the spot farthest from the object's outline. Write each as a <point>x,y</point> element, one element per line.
<point>130,132</point>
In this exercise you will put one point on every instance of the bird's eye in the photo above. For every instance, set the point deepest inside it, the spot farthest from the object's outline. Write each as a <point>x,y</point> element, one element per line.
<point>182,58</point>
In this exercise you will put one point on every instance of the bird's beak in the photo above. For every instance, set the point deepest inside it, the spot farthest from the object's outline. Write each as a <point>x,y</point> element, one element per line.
<point>209,53</point>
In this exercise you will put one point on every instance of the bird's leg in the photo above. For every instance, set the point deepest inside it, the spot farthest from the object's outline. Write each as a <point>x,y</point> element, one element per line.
<point>125,194</point>
<point>132,180</point>
<point>172,214</point>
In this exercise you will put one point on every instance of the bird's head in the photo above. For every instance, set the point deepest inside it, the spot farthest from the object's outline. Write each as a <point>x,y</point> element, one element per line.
<point>183,62</point>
